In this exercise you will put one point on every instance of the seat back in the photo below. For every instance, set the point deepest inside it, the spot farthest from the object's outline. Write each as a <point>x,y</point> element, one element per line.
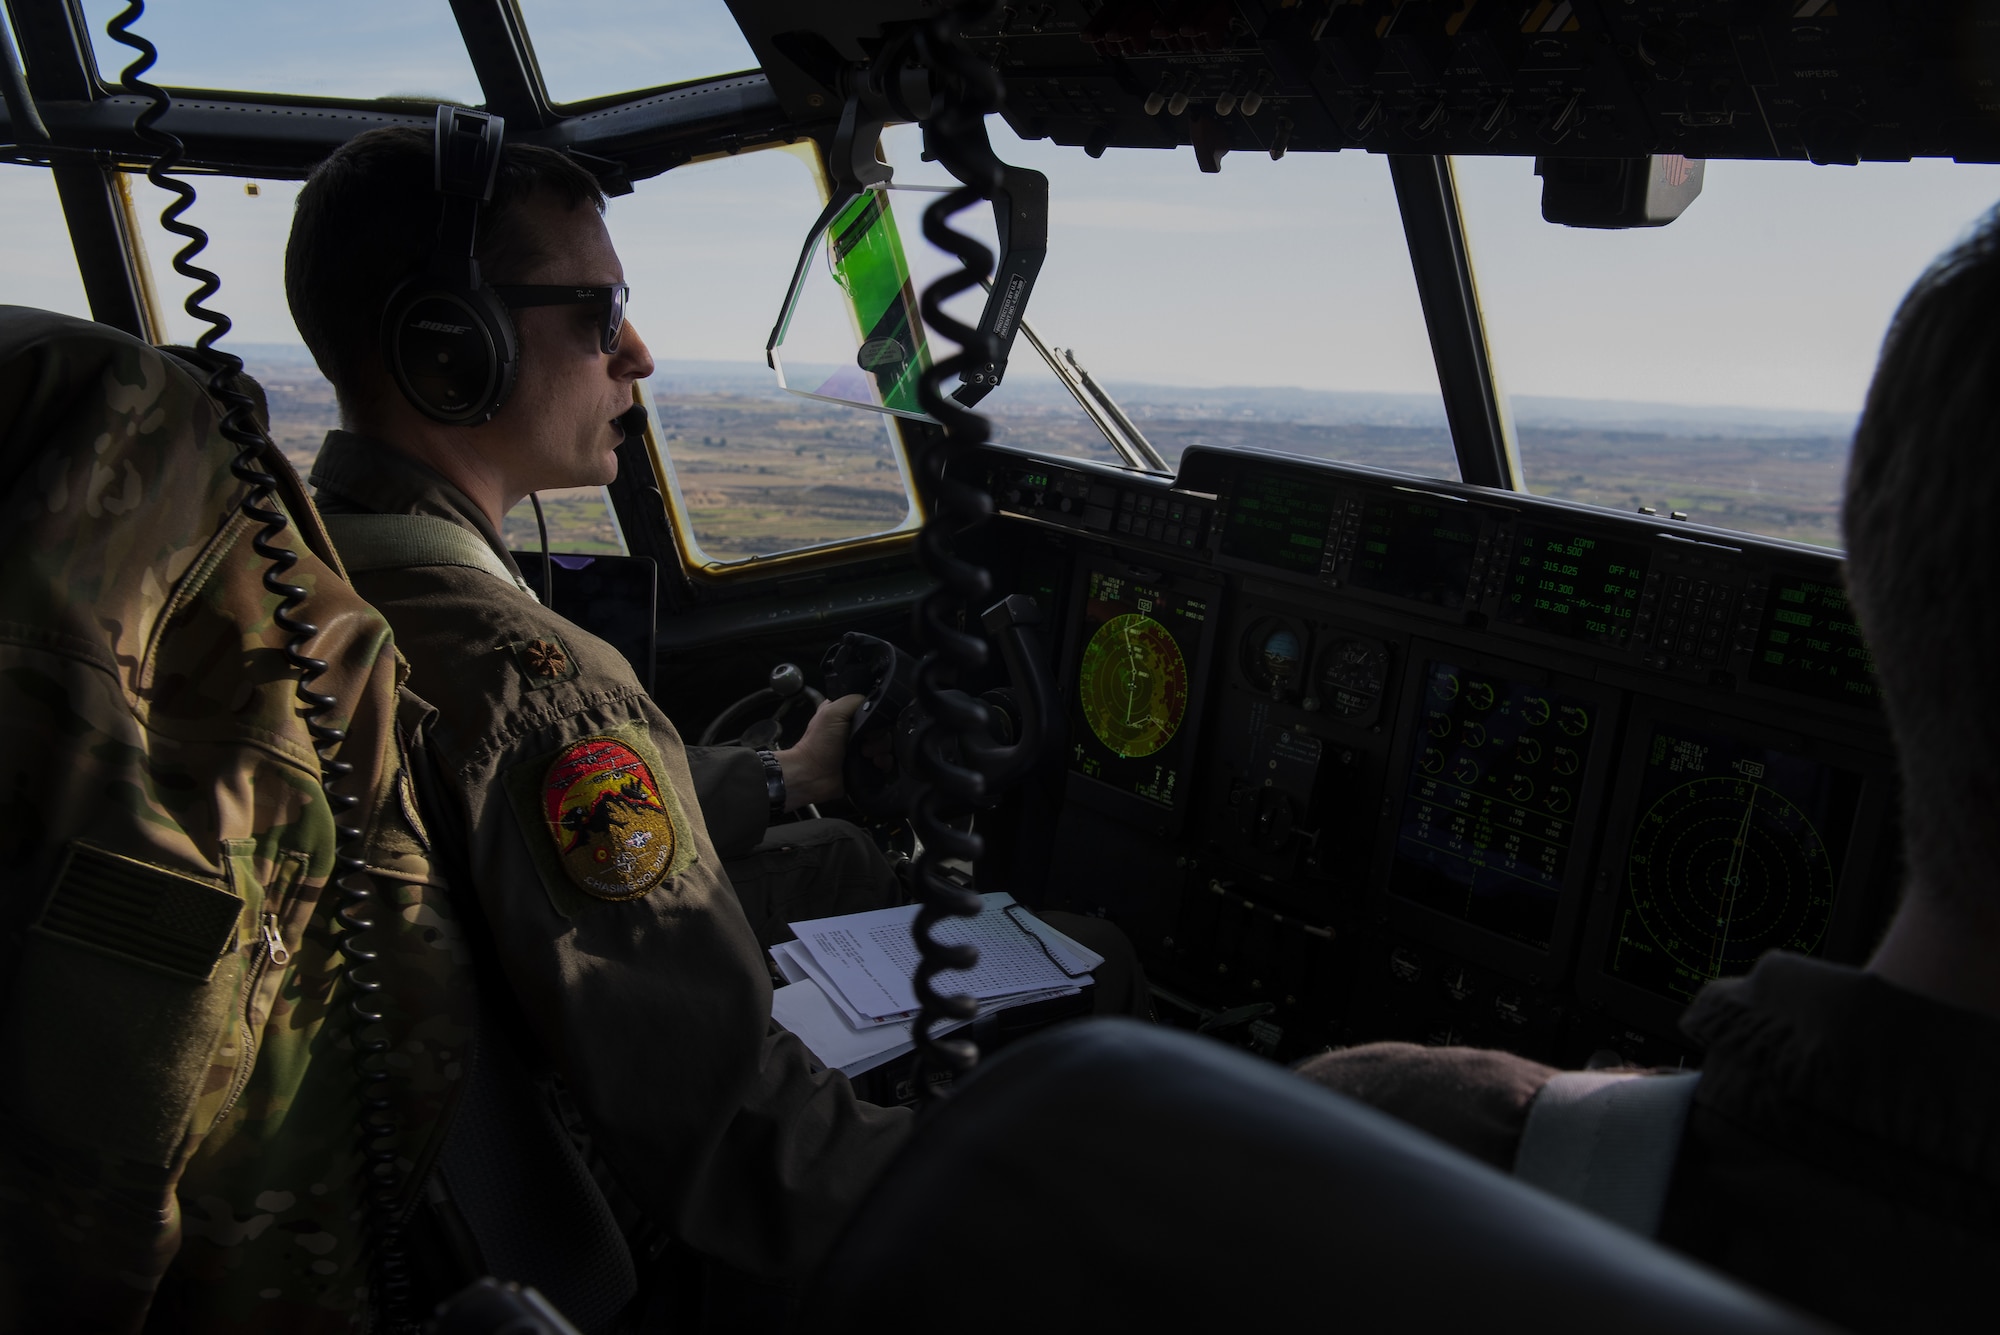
<point>1115,1176</point>
<point>180,1088</point>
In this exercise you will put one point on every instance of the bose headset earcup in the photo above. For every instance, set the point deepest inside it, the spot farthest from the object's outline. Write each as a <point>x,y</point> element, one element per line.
<point>452,353</point>
<point>447,339</point>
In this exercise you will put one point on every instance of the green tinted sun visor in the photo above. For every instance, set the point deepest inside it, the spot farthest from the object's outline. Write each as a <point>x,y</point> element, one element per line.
<point>851,332</point>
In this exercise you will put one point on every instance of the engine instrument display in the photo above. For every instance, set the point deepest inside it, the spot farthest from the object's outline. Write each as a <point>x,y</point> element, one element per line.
<point>1417,549</point>
<point>1810,643</point>
<point>1578,587</point>
<point>1278,519</point>
<point>1140,651</point>
<point>1737,850</point>
<point>1489,814</point>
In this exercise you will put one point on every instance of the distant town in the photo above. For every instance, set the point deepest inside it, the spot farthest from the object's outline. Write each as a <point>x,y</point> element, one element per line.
<point>761,470</point>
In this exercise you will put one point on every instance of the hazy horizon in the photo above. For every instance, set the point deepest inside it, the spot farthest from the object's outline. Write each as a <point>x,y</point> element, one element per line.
<point>1289,403</point>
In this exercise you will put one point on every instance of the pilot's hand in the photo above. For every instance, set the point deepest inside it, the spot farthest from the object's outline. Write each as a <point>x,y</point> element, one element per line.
<point>812,768</point>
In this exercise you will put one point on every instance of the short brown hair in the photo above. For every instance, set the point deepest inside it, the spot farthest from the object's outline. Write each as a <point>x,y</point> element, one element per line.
<point>367,220</point>
<point>1923,552</point>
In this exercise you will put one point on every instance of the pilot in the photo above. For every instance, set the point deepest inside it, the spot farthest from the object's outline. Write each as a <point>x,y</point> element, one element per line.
<point>591,843</point>
<point>613,865</point>
<point>1840,1151</point>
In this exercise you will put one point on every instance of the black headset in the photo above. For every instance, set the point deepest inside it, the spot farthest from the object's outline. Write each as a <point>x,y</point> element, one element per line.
<point>446,335</point>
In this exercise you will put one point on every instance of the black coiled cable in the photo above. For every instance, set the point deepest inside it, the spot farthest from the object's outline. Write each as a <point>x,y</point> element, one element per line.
<point>953,728</point>
<point>382,1174</point>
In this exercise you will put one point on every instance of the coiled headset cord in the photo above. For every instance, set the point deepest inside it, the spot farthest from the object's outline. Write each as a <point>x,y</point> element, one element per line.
<point>953,725</point>
<point>382,1174</point>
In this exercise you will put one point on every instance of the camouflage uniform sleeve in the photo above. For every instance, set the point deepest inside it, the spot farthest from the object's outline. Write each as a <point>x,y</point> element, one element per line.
<point>619,935</point>
<point>729,788</point>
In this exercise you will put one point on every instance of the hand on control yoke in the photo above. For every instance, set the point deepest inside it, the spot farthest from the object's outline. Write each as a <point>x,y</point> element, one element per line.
<point>812,768</point>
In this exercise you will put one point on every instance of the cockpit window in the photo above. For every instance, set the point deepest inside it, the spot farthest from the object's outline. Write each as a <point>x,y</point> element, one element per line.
<point>357,49</point>
<point>248,223</point>
<point>1715,366</point>
<point>597,48</point>
<point>37,266</point>
<point>1269,306</point>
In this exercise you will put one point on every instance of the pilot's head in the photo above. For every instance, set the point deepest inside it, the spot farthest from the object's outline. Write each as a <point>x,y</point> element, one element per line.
<point>1924,562</point>
<point>368,219</point>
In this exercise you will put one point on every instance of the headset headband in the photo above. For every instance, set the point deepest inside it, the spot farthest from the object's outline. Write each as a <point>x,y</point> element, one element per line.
<point>466,162</point>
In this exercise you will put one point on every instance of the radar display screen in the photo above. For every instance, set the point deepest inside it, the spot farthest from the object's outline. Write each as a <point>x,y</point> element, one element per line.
<point>1416,549</point>
<point>1496,774</point>
<point>1141,648</point>
<point>1736,851</point>
<point>1276,519</point>
<point>1579,587</point>
<point>1811,644</point>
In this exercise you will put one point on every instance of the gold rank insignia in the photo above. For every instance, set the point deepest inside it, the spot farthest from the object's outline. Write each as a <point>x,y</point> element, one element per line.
<point>614,834</point>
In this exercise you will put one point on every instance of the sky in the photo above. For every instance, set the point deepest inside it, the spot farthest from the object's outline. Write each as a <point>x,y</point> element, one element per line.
<point>1772,291</point>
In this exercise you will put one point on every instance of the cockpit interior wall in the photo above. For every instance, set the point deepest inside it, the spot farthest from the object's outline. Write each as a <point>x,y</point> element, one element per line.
<point>1356,755</point>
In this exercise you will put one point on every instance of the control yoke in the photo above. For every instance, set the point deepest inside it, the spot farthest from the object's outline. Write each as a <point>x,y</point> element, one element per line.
<point>1023,718</point>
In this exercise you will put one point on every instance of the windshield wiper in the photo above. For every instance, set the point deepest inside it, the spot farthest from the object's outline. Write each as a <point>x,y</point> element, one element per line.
<point>1100,407</point>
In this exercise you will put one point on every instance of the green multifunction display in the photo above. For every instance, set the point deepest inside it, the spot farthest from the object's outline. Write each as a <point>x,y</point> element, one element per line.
<point>1497,772</point>
<point>1578,587</point>
<point>1810,643</point>
<point>1416,549</point>
<point>1141,650</point>
<point>1737,851</point>
<point>1279,519</point>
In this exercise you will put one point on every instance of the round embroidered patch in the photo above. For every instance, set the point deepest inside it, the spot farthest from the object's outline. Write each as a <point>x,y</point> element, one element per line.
<point>611,830</point>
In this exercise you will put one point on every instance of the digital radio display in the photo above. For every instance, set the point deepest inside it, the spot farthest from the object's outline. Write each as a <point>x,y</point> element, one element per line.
<point>1416,549</point>
<point>1578,587</point>
<point>1278,519</point>
<point>1811,644</point>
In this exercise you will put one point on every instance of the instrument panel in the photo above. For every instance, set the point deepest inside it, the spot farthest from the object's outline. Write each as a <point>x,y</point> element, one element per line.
<point>1359,755</point>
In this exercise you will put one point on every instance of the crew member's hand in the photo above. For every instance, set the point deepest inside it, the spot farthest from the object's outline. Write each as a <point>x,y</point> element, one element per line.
<point>812,768</point>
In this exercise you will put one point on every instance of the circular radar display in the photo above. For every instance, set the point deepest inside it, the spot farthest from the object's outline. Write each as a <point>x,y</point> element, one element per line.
<point>1724,869</point>
<point>1133,685</point>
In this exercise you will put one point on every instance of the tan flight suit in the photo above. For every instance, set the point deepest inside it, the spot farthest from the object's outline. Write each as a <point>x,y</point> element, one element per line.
<point>606,904</point>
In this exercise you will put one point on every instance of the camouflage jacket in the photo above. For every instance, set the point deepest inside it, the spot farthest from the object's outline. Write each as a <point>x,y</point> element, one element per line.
<point>604,897</point>
<point>178,1143</point>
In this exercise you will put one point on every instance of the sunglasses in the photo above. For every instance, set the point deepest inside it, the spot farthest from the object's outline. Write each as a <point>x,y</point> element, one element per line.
<point>613,299</point>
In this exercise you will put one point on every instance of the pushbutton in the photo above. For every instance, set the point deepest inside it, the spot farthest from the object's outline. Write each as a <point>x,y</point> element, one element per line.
<point>1126,500</point>
<point>1153,528</point>
<point>1124,523</point>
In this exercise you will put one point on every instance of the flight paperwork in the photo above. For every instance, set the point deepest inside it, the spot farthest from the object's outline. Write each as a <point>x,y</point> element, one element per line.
<point>849,998</point>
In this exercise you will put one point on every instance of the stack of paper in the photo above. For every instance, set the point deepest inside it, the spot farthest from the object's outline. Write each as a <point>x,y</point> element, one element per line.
<point>849,995</point>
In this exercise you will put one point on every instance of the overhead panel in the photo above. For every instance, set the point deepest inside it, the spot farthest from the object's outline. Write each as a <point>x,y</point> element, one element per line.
<point>1831,81</point>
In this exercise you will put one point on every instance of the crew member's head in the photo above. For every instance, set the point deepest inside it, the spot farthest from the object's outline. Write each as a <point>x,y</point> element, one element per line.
<point>368,219</point>
<point>1923,561</point>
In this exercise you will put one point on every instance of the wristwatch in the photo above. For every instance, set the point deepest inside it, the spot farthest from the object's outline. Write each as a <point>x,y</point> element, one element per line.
<point>774,781</point>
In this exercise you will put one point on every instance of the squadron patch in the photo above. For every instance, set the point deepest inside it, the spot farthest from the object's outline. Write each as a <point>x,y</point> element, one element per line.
<point>615,832</point>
